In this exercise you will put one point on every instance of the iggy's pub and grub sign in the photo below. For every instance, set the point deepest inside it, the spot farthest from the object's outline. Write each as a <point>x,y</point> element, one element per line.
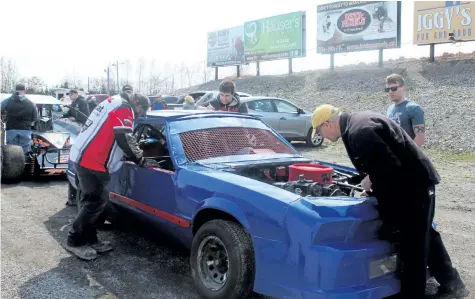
<point>435,20</point>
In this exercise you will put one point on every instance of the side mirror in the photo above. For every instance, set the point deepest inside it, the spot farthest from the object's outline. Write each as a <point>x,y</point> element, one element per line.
<point>300,111</point>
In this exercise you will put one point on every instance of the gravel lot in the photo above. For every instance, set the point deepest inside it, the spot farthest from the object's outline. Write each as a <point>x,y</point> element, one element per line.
<point>144,264</point>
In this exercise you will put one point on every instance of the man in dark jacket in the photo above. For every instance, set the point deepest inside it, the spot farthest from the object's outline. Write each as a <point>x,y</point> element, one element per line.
<point>20,115</point>
<point>79,107</point>
<point>228,99</point>
<point>403,181</point>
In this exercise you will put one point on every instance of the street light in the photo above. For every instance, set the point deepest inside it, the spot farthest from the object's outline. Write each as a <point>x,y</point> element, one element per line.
<point>117,68</point>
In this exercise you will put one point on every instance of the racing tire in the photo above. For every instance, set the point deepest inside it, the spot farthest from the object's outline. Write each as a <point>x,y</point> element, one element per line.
<point>314,142</point>
<point>13,163</point>
<point>232,273</point>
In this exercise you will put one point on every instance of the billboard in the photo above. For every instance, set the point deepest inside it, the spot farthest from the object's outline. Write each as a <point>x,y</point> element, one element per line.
<point>350,26</point>
<point>277,37</point>
<point>226,47</point>
<point>434,20</point>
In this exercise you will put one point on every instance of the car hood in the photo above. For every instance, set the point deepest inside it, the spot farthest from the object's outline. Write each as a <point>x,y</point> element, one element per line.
<point>58,140</point>
<point>363,208</point>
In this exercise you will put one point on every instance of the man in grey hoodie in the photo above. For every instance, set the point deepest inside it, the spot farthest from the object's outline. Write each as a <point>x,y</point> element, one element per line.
<point>20,115</point>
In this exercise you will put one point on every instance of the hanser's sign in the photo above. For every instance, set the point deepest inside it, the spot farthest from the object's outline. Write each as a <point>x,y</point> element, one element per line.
<point>434,20</point>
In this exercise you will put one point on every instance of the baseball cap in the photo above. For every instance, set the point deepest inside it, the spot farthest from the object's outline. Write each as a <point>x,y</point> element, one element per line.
<point>127,88</point>
<point>322,114</point>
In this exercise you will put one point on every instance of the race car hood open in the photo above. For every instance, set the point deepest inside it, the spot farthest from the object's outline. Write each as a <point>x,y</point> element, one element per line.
<point>58,140</point>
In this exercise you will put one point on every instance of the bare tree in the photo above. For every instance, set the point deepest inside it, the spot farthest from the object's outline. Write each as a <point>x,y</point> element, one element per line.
<point>34,85</point>
<point>128,70</point>
<point>8,74</point>
<point>151,75</point>
<point>140,72</point>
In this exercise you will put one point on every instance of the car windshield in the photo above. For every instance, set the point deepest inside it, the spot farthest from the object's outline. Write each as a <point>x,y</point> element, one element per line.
<point>225,139</point>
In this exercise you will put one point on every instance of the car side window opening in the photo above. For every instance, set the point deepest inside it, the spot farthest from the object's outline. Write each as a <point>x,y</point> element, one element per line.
<point>260,106</point>
<point>284,107</point>
<point>152,140</point>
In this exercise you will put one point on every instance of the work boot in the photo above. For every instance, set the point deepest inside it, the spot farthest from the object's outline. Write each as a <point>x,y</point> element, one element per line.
<point>83,252</point>
<point>452,291</point>
<point>102,246</point>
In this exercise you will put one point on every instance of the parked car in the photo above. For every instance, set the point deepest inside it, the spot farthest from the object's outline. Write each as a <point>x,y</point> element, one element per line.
<point>210,95</point>
<point>51,140</point>
<point>291,121</point>
<point>255,214</point>
<point>166,98</point>
<point>195,95</point>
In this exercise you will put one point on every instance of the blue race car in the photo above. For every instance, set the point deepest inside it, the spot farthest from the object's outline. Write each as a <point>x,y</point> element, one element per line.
<point>255,214</point>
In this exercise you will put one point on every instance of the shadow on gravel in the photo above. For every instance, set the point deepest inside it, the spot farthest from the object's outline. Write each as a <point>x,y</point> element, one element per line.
<point>39,182</point>
<point>144,264</point>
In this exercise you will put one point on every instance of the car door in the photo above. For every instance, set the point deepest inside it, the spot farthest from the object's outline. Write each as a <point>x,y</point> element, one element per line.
<point>149,191</point>
<point>264,109</point>
<point>292,124</point>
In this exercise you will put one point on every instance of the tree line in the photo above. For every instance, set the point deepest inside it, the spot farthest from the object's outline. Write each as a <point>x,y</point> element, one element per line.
<point>148,77</point>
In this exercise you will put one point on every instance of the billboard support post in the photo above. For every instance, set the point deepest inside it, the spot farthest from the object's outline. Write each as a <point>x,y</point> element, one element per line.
<point>332,61</point>
<point>238,71</point>
<point>432,53</point>
<point>290,66</point>
<point>216,74</point>
<point>258,68</point>
<point>380,62</point>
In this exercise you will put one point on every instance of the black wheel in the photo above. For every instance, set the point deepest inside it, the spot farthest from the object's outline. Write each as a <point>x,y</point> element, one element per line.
<point>13,163</point>
<point>316,141</point>
<point>222,261</point>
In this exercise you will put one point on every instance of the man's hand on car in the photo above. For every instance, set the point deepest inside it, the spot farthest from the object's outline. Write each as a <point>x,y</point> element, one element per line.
<point>366,183</point>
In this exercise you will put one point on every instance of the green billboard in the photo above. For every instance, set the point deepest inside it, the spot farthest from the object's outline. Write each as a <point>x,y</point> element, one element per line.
<point>277,37</point>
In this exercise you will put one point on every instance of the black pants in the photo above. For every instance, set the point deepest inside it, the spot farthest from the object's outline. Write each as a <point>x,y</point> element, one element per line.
<point>92,202</point>
<point>422,246</point>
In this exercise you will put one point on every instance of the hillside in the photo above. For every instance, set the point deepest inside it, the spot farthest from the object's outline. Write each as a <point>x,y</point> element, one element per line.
<point>445,89</point>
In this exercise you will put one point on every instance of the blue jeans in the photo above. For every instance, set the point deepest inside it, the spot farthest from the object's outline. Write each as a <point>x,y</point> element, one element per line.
<point>21,138</point>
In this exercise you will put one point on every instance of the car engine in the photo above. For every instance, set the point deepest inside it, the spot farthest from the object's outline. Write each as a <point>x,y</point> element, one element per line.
<point>310,179</point>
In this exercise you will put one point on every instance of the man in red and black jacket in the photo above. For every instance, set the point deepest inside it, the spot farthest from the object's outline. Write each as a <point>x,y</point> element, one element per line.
<point>228,99</point>
<point>96,153</point>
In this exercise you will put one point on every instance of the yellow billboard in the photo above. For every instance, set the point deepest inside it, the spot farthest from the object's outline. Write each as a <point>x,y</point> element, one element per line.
<point>434,21</point>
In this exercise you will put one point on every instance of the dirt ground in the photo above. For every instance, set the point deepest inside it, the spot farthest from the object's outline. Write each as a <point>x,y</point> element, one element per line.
<point>35,221</point>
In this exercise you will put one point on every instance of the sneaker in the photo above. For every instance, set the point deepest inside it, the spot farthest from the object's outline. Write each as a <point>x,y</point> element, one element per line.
<point>455,291</point>
<point>102,246</point>
<point>83,252</point>
<point>71,203</point>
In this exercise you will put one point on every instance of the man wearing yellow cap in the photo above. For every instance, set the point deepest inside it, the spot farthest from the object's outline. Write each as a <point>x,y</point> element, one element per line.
<point>403,180</point>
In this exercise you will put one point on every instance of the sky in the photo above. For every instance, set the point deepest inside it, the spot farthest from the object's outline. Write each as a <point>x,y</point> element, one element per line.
<point>52,39</point>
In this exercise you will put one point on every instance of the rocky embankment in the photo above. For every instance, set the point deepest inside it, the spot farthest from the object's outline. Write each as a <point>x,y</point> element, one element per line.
<point>445,89</point>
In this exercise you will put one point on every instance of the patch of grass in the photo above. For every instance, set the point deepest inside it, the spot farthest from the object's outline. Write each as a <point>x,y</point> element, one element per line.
<point>450,155</point>
<point>453,92</point>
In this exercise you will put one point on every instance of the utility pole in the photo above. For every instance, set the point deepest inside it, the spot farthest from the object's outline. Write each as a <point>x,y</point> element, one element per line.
<point>117,65</point>
<point>117,70</point>
<point>88,85</point>
<point>107,70</point>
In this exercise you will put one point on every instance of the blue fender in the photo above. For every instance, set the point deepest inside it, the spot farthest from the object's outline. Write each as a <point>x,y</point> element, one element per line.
<point>227,206</point>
